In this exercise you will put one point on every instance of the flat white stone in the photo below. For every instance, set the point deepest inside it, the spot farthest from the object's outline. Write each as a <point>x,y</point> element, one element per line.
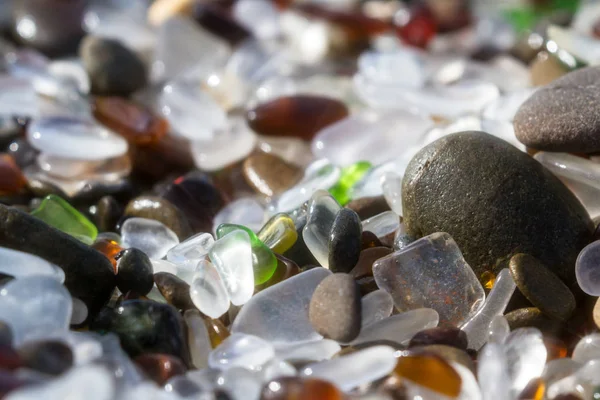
<point>391,185</point>
<point>587,349</point>
<point>492,373</point>
<point>193,248</point>
<point>208,291</point>
<point>317,350</point>
<point>148,235</point>
<point>241,350</point>
<point>525,357</point>
<point>18,97</point>
<point>376,306</point>
<point>247,211</point>
<point>584,47</point>
<point>261,17</point>
<point>198,338</point>
<point>382,224</point>
<point>402,67</point>
<point>19,264</point>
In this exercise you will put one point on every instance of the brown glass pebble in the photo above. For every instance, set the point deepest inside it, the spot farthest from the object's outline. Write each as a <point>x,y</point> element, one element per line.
<point>217,332</point>
<point>11,177</point>
<point>294,388</point>
<point>109,248</point>
<point>175,290</point>
<point>9,358</point>
<point>160,367</point>
<point>134,122</point>
<point>270,175</point>
<point>299,116</point>
<point>364,266</point>
<point>369,240</point>
<point>430,371</point>
<point>217,21</point>
<point>367,207</point>
<point>449,336</point>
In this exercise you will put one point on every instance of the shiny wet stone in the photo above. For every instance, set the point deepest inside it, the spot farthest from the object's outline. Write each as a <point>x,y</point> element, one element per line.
<point>335,309</point>
<point>175,290</point>
<point>162,210</point>
<point>160,367</point>
<point>106,214</point>
<point>344,241</point>
<point>364,265</point>
<point>448,336</point>
<point>270,175</point>
<point>134,272</point>
<point>49,357</point>
<point>541,287</point>
<point>367,207</point>
<point>532,317</point>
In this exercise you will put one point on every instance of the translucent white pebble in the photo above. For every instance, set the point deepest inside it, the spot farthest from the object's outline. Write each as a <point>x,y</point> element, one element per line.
<point>277,368</point>
<point>322,211</point>
<point>208,291</point>
<point>240,350</point>
<point>399,328</point>
<point>402,67</point>
<point>198,339</point>
<point>35,307</point>
<point>232,257</point>
<point>18,97</point>
<point>240,383</point>
<point>74,138</point>
<point>317,350</point>
<point>353,370</point>
<point>163,266</point>
<point>584,47</point>
<point>19,264</point>
<point>85,346</point>
<point>498,330</point>
<point>194,248</point>
<point>469,389</point>
<point>246,211</point>
<point>382,224</point>
<point>587,349</point>
<point>148,235</point>
<point>376,306</point>
<point>525,356</point>
<point>391,185</point>
<point>492,373</point>
<point>279,314</point>
<point>89,382</point>
<point>261,17</point>
<point>80,311</point>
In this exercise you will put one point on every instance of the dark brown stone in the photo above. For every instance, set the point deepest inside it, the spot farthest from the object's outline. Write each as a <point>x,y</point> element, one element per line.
<point>160,367</point>
<point>134,272</point>
<point>369,240</point>
<point>448,336</point>
<point>175,290</point>
<point>367,207</point>
<point>162,210</point>
<point>364,266</point>
<point>270,175</point>
<point>217,21</point>
<point>532,317</point>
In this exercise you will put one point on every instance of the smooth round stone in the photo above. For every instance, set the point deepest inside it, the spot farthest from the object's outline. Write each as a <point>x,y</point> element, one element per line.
<point>134,272</point>
<point>502,184</point>
<point>240,350</point>
<point>19,264</point>
<point>208,291</point>
<point>587,269</point>
<point>448,336</point>
<point>543,122</point>
<point>532,317</point>
<point>49,357</point>
<point>430,371</point>
<point>80,312</point>
<point>541,287</point>
<point>35,307</point>
<point>106,214</point>
<point>270,175</point>
<point>112,67</point>
<point>587,349</point>
<point>149,236</point>
<point>345,241</point>
<point>162,210</point>
<point>367,207</point>
<point>335,308</point>
<point>174,290</point>
<point>160,367</point>
<point>74,139</point>
<point>376,306</point>
<point>546,68</point>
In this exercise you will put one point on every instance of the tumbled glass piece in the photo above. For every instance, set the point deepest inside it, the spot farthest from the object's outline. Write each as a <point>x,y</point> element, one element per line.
<point>300,116</point>
<point>498,330</point>
<point>269,174</point>
<point>260,17</point>
<point>279,233</point>
<point>35,307</point>
<point>279,314</point>
<point>382,224</point>
<point>349,177</point>
<point>430,371</point>
<point>399,328</point>
<point>208,292</point>
<point>241,350</point>
<point>193,248</point>
<point>232,257</point>
<point>217,332</point>
<point>376,306</point>
<point>58,213</point>
<point>492,373</point>
<point>149,236</point>
<point>75,139</point>
<point>391,185</point>
<point>525,356</point>
<point>240,383</point>
<point>80,311</point>
<point>587,349</point>
<point>68,169</point>
<point>291,388</point>
<point>431,272</point>
<point>355,369</point>
<point>371,136</point>
<point>197,338</point>
<point>321,215</point>
<point>18,97</point>
<point>11,177</point>
<point>263,259</point>
<point>132,121</point>
<point>584,47</point>
<point>586,269</point>
<point>191,112</point>
<point>246,211</point>
<point>477,328</point>
<point>403,67</point>
<point>19,264</point>
<point>317,350</point>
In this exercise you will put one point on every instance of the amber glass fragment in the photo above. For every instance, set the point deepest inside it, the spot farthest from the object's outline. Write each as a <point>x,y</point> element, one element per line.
<point>217,332</point>
<point>11,177</point>
<point>109,248</point>
<point>430,371</point>
<point>294,388</point>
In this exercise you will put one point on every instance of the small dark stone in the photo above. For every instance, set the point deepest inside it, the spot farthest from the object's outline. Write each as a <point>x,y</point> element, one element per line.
<point>541,287</point>
<point>175,290</point>
<point>22,152</point>
<point>335,308</point>
<point>364,266</point>
<point>134,272</point>
<point>9,358</point>
<point>368,240</point>
<point>107,213</point>
<point>112,67</point>
<point>89,275</point>
<point>546,121</point>
<point>367,207</point>
<point>448,336</point>
<point>145,327</point>
<point>344,241</point>
<point>159,209</point>
<point>532,317</point>
<point>217,21</point>
<point>49,357</point>
<point>465,183</point>
<point>6,335</point>
<point>366,285</point>
<point>270,175</point>
<point>160,367</point>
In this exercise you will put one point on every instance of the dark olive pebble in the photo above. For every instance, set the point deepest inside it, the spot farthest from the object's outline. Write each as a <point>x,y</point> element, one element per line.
<point>93,284</point>
<point>299,253</point>
<point>335,308</point>
<point>106,213</point>
<point>175,290</point>
<point>114,70</point>
<point>9,358</point>
<point>217,21</point>
<point>197,198</point>
<point>160,209</point>
<point>49,357</point>
<point>145,327</point>
<point>364,266</point>
<point>368,240</point>
<point>134,271</point>
<point>231,182</point>
<point>448,336</point>
<point>6,335</point>
<point>367,207</point>
<point>517,301</point>
<point>22,152</point>
<point>344,241</point>
<point>160,367</point>
<point>533,317</point>
<point>449,353</point>
<point>542,287</point>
